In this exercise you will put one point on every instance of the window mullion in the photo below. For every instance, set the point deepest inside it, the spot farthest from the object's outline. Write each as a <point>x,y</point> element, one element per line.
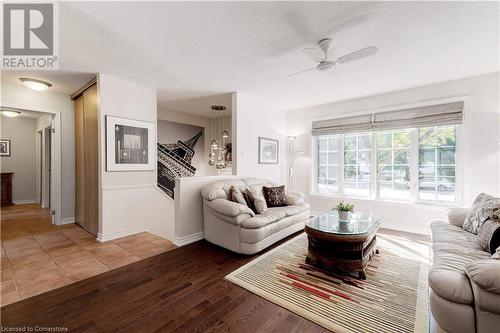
<point>341,165</point>
<point>374,184</point>
<point>414,164</point>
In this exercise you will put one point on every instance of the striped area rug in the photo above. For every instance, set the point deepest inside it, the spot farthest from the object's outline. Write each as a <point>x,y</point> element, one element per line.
<point>393,298</point>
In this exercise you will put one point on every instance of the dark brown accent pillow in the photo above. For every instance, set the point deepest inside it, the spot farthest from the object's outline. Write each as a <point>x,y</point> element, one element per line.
<point>275,196</point>
<point>247,194</point>
<point>488,235</point>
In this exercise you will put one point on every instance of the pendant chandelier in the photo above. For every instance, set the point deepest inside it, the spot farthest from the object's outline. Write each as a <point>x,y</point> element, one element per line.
<point>218,147</point>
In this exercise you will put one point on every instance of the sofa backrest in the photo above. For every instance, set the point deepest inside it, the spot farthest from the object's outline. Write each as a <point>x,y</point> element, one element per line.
<point>220,189</point>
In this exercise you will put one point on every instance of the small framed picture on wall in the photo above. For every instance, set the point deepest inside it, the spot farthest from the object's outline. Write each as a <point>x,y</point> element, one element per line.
<point>268,151</point>
<point>4,147</point>
<point>129,145</point>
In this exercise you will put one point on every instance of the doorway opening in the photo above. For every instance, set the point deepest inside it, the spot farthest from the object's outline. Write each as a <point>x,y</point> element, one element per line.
<point>34,152</point>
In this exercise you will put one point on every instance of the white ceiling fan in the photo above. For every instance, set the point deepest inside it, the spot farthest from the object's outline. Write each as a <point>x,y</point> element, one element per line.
<point>320,55</point>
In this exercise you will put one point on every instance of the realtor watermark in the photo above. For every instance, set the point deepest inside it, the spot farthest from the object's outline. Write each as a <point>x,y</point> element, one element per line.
<point>30,35</point>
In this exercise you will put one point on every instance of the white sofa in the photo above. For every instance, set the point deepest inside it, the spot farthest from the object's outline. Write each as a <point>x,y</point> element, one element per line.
<point>464,280</point>
<point>237,228</point>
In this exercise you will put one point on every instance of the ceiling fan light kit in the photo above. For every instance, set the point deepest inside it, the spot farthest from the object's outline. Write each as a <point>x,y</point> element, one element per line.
<point>320,55</point>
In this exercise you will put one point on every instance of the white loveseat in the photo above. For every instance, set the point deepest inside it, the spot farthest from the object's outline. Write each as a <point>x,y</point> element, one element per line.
<point>236,227</point>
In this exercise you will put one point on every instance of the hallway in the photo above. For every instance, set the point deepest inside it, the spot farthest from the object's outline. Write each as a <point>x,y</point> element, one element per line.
<point>38,256</point>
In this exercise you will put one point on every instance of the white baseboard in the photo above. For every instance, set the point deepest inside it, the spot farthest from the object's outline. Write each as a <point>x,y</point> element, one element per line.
<point>119,234</point>
<point>184,240</point>
<point>67,220</point>
<point>24,202</point>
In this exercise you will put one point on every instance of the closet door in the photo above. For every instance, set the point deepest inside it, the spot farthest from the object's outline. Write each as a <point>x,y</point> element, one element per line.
<point>90,155</point>
<point>79,163</point>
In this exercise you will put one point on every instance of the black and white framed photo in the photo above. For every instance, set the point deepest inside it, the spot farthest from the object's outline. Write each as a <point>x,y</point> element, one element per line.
<point>129,145</point>
<point>4,147</point>
<point>268,151</point>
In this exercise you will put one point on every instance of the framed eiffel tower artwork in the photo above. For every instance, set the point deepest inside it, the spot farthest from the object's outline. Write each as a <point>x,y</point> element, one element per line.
<point>175,160</point>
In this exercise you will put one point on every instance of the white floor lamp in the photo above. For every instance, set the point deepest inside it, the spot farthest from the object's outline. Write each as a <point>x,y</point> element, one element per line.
<point>291,158</point>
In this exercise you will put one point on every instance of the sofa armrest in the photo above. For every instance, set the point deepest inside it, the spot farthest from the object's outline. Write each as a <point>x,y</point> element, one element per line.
<point>229,208</point>
<point>297,194</point>
<point>293,199</point>
<point>485,273</point>
<point>485,280</point>
<point>456,216</point>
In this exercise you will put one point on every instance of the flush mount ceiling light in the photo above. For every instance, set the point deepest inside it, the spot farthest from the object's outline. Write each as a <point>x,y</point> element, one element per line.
<point>10,113</point>
<point>34,84</point>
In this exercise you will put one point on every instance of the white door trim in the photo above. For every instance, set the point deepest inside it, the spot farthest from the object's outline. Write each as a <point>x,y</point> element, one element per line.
<point>57,166</point>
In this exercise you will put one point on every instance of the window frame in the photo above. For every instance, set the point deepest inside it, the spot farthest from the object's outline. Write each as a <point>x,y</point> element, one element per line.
<point>414,170</point>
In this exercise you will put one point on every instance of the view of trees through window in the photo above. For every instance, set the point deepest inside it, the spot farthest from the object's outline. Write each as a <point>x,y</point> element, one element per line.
<point>351,157</point>
<point>437,163</point>
<point>328,163</point>
<point>357,164</point>
<point>393,164</point>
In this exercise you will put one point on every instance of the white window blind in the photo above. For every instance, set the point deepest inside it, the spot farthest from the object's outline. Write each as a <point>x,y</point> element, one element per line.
<point>441,114</point>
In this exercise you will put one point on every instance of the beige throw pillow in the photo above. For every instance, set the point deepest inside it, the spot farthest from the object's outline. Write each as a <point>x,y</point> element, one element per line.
<point>484,207</point>
<point>236,195</point>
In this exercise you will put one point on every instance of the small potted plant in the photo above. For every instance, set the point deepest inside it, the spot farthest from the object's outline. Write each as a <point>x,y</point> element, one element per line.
<point>344,209</point>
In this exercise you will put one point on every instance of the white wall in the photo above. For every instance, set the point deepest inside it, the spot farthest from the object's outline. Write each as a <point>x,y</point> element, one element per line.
<point>18,96</point>
<point>126,199</point>
<point>22,160</point>
<point>255,118</point>
<point>481,169</point>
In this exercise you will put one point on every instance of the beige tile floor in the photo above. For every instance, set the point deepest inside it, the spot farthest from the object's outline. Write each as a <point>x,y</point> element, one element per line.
<point>38,256</point>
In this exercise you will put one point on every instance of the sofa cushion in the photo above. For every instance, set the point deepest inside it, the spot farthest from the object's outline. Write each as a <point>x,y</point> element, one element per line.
<point>275,196</point>
<point>260,220</point>
<point>253,235</point>
<point>292,209</point>
<point>443,232</point>
<point>453,249</point>
<point>483,208</point>
<point>488,235</point>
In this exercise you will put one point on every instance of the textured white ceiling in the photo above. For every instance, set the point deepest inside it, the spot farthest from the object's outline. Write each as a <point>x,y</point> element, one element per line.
<point>199,49</point>
<point>200,106</point>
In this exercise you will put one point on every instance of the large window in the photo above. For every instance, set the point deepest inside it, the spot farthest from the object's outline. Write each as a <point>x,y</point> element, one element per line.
<point>400,164</point>
<point>437,163</point>
<point>328,163</point>
<point>357,164</point>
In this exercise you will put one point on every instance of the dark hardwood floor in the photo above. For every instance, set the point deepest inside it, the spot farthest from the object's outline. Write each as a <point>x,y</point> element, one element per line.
<point>179,291</point>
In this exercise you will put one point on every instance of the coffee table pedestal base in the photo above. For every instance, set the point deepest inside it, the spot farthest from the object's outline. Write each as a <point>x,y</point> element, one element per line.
<point>343,257</point>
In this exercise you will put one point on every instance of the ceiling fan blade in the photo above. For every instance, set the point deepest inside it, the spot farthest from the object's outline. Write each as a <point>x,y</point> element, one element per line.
<point>367,51</point>
<point>314,53</point>
<point>305,70</point>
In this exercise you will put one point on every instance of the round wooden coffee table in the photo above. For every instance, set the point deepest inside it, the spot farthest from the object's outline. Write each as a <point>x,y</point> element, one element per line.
<point>342,246</point>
